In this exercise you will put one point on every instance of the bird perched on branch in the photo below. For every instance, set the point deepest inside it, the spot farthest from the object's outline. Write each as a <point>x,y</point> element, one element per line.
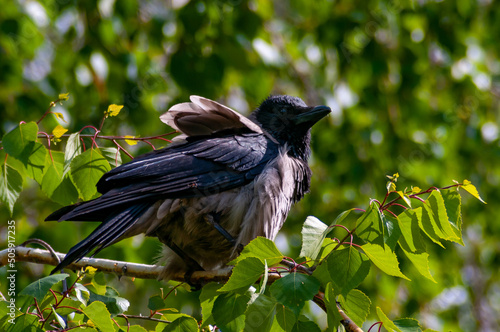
<point>225,181</point>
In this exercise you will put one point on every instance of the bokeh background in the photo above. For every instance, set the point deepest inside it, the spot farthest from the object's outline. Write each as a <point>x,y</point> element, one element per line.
<point>413,85</point>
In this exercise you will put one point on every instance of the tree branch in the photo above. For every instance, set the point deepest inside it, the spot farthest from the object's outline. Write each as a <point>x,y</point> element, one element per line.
<point>143,271</point>
<point>133,270</point>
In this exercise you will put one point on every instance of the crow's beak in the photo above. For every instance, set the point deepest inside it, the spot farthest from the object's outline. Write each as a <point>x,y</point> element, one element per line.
<point>310,117</point>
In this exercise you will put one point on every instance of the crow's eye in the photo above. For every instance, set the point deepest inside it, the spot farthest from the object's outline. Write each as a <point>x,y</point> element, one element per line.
<point>283,111</point>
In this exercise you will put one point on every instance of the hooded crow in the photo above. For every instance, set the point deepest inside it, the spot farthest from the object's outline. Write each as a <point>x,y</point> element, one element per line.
<point>226,180</point>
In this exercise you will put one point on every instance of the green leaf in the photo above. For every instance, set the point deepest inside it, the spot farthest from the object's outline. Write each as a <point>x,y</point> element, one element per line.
<point>411,240</point>
<point>11,185</point>
<point>246,272</point>
<point>55,185</point>
<point>322,274</point>
<point>115,304</point>
<point>36,163</point>
<point>63,96</point>
<point>65,193</point>
<point>404,197</point>
<point>471,189</point>
<point>73,148</point>
<point>332,311</point>
<point>453,203</point>
<point>99,315</point>
<point>262,248</point>
<point>284,320</point>
<point>427,224</point>
<point>305,325</point>
<point>79,291</point>
<point>421,262</point>
<point>392,231</point>
<point>182,324</point>
<point>313,234</point>
<point>156,302</point>
<point>388,324</point>
<point>25,323</point>
<point>53,173</point>
<point>59,319</point>
<point>38,289</point>
<point>208,295</point>
<point>357,306</point>
<point>408,325</point>
<point>86,170</point>
<point>260,313</point>
<point>294,290</point>
<point>112,156</point>
<point>229,311</point>
<point>435,204</point>
<point>348,268</point>
<point>67,302</point>
<point>369,226</point>
<point>384,259</point>
<point>17,142</point>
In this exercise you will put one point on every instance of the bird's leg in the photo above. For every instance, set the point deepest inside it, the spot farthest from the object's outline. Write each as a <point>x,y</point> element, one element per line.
<point>213,219</point>
<point>191,264</point>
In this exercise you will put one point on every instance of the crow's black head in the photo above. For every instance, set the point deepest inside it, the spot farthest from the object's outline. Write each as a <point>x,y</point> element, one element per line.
<point>289,120</point>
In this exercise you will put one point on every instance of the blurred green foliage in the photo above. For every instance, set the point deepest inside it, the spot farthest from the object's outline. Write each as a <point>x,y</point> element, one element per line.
<point>414,89</point>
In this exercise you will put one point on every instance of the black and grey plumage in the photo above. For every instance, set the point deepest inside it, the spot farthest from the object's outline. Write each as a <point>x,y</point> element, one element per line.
<point>237,173</point>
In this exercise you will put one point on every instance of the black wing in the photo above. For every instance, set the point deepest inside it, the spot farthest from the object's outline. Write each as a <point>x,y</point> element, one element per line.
<point>201,167</point>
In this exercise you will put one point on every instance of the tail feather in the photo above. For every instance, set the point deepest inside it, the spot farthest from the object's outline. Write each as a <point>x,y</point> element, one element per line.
<point>104,235</point>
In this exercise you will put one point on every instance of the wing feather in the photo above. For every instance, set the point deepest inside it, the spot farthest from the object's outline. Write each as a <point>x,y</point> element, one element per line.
<point>205,117</point>
<point>199,168</point>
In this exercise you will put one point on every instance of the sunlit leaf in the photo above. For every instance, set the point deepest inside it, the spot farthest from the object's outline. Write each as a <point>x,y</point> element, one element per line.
<point>261,248</point>
<point>59,116</point>
<point>63,96</point>
<point>411,239</point>
<point>73,148</point>
<point>113,110</point>
<point>388,324</point>
<point>453,203</point>
<point>356,305</point>
<point>130,141</point>
<point>471,189</point>
<point>421,263</point>
<point>313,234</point>
<point>99,315</point>
<point>59,131</point>
<point>369,226</point>
<point>244,274</point>
<point>436,204</point>
<point>384,259</point>
<point>404,197</point>
<point>86,170</point>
